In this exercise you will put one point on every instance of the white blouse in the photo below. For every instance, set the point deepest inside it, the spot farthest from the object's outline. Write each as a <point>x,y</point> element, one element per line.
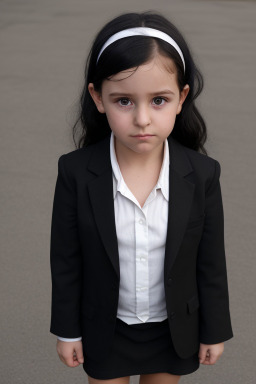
<point>141,235</point>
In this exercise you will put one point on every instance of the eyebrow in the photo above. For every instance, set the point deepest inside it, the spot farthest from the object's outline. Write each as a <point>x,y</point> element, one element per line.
<point>162,92</point>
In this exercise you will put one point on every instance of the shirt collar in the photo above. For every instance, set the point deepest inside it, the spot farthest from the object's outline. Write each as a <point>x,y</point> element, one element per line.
<point>163,180</point>
<point>119,183</point>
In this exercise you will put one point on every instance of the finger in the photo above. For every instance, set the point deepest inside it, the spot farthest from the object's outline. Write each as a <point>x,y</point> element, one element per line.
<point>69,355</point>
<point>70,362</point>
<point>213,358</point>
<point>202,354</point>
<point>79,354</point>
<point>206,361</point>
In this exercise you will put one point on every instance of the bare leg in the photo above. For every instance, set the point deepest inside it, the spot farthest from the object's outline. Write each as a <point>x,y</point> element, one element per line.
<point>159,378</point>
<point>119,380</point>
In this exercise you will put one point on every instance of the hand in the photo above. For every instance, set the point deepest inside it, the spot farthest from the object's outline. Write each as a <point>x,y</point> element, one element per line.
<point>70,353</point>
<point>210,353</point>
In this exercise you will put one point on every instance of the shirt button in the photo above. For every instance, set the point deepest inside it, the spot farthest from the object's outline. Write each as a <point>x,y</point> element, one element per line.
<point>141,221</point>
<point>169,281</point>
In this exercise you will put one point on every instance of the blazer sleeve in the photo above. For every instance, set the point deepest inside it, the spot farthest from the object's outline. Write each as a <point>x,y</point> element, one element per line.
<point>215,323</point>
<point>65,258</point>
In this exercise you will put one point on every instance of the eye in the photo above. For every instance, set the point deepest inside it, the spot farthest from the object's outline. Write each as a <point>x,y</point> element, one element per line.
<point>159,100</point>
<point>124,102</point>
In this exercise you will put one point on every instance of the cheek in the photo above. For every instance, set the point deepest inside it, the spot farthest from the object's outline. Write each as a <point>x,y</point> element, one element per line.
<point>175,111</point>
<point>169,116</point>
<point>167,121</point>
<point>117,120</point>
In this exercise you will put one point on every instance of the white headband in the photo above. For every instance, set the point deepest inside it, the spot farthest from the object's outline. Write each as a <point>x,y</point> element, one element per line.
<point>142,31</point>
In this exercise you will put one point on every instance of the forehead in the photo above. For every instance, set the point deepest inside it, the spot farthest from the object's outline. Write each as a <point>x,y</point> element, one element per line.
<point>158,72</point>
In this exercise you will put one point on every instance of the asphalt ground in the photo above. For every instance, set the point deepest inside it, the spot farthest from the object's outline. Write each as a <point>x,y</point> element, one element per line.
<point>43,47</point>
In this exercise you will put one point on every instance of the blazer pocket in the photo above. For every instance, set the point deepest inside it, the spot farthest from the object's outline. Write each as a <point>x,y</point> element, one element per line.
<point>196,222</point>
<point>193,304</point>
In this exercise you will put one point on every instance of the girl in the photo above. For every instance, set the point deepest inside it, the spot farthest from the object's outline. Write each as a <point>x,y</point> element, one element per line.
<point>139,281</point>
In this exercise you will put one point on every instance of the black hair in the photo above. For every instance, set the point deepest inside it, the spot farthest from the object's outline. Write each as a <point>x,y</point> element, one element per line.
<point>131,52</point>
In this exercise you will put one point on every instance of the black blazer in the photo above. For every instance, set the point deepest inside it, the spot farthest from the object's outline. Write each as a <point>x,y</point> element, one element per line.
<point>84,251</point>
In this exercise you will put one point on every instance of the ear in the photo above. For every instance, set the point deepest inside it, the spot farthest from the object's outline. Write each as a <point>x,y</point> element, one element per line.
<point>96,96</point>
<point>183,96</point>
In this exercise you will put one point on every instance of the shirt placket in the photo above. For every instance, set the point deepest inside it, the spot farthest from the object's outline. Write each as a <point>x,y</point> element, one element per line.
<point>142,272</point>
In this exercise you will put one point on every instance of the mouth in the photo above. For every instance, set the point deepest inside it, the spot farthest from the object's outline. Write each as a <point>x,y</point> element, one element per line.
<point>143,136</point>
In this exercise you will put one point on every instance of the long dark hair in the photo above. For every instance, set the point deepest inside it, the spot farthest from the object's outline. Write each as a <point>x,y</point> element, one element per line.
<point>131,52</point>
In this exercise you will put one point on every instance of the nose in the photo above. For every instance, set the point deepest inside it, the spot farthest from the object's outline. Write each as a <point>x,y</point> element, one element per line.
<point>142,116</point>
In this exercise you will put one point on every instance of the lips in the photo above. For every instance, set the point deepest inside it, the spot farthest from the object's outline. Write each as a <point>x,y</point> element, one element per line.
<point>146,135</point>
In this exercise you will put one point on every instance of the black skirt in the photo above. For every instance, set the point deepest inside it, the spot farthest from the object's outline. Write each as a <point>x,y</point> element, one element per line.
<point>141,349</point>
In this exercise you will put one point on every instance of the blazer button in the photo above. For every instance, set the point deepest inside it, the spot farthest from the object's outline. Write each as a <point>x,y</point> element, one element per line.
<point>169,282</point>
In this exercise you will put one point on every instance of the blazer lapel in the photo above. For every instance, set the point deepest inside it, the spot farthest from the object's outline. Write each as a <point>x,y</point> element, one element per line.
<point>181,192</point>
<point>101,196</point>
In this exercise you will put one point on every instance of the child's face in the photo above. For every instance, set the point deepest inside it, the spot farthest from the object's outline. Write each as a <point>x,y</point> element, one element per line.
<point>141,107</point>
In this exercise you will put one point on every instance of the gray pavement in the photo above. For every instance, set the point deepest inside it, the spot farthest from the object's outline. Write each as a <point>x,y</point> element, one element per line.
<point>43,46</point>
